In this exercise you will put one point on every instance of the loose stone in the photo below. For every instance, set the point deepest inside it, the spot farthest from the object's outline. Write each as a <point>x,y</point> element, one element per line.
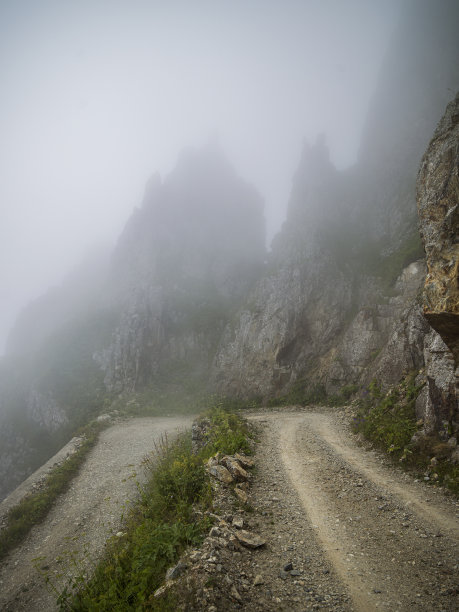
<point>249,540</point>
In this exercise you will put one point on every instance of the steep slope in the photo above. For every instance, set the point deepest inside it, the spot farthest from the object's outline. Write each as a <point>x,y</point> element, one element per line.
<point>183,265</point>
<point>438,205</point>
<point>193,303</point>
<point>49,382</point>
<point>338,306</point>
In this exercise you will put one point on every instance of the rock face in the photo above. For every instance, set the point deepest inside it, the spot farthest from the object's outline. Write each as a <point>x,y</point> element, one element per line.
<point>192,300</point>
<point>338,304</point>
<point>438,205</point>
<point>292,314</point>
<point>184,262</point>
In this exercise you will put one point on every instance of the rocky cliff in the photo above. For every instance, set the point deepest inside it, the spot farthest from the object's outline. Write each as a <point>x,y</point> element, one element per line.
<point>339,303</point>
<point>193,302</point>
<point>182,267</point>
<point>438,205</point>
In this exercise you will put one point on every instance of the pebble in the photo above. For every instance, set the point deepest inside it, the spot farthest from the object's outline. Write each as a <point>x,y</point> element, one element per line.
<point>235,594</point>
<point>249,539</point>
<point>283,574</point>
<point>238,522</point>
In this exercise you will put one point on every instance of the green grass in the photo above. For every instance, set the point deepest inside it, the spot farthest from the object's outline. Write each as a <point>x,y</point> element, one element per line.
<point>305,393</point>
<point>34,507</point>
<point>228,433</point>
<point>389,421</point>
<point>166,520</point>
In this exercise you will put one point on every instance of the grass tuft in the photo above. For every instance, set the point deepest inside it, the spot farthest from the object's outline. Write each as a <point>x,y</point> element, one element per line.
<point>228,433</point>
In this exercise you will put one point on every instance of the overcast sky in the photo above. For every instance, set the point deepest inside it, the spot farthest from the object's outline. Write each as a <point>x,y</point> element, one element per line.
<point>97,95</point>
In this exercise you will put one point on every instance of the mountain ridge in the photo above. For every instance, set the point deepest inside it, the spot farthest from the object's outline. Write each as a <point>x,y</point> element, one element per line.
<point>193,304</point>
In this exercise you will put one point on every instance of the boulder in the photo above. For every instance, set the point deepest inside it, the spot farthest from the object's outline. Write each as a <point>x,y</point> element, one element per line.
<point>176,570</point>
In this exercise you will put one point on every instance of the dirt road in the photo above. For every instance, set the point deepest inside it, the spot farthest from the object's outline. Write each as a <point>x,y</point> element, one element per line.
<point>85,516</point>
<point>364,536</point>
<point>361,536</point>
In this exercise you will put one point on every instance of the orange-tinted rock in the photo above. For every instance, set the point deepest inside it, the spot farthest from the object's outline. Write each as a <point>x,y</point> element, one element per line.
<point>438,206</point>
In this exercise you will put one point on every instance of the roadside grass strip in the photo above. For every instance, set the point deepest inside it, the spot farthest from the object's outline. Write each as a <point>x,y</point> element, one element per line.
<point>168,517</point>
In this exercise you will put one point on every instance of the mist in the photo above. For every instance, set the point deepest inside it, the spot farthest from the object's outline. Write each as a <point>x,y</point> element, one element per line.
<point>97,96</point>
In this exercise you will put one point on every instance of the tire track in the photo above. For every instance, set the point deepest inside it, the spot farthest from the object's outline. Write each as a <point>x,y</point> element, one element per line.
<point>390,547</point>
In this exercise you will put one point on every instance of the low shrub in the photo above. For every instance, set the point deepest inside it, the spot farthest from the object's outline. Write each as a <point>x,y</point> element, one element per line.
<point>228,432</point>
<point>389,420</point>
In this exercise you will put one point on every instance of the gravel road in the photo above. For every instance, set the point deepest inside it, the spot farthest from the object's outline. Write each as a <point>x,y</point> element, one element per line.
<point>363,535</point>
<point>360,535</point>
<point>86,515</point>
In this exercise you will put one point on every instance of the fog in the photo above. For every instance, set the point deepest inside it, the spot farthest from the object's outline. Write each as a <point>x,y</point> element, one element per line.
<point>98,95</point>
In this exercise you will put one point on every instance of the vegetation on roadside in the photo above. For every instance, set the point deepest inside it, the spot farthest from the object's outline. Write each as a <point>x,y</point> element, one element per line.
<point>33,508</point>
<point>389,421</point>
<point>228,433</point>
<point>305,393</point>
<point>168,517</point>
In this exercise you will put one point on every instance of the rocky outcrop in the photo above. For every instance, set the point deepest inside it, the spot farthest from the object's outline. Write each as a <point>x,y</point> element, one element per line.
<point>292,316</point>
<point>437,404</point>
<point>379,342</point>
<point>438,205</point>
<point>184,262</point>
<point>192,300</point>
<point>339,303</point>
<point>419,75</point>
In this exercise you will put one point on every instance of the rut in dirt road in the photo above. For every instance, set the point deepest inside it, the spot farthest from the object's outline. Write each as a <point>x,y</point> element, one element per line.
<point>86,515</point>
<point>392,542</point>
